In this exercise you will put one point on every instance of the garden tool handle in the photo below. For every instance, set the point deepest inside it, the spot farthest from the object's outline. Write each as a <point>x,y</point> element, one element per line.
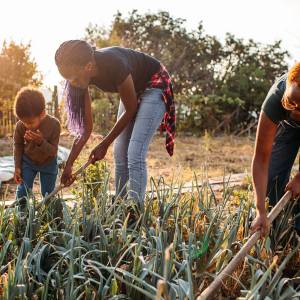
<point>83,167</point>
<point>61,186</point>
<point>238,258</point>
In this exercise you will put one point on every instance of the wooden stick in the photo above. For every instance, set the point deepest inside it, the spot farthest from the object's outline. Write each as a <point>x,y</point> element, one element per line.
<point>61,186</point>
<point>239,257</point>
<point>57,188</point>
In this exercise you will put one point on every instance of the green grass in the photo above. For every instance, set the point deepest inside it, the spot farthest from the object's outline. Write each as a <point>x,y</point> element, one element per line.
<point>104,249</point>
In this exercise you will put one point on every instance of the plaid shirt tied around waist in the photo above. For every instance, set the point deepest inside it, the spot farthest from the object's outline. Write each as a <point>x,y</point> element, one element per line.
<point>161,80</point>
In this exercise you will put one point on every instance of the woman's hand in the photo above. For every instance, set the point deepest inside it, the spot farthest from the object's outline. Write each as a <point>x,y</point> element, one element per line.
<point>99,152</point>
<point>294,186</point>
<point>67,178</point>
<point>129,100</point>
<point>262,223</point>
<point>17,176</point>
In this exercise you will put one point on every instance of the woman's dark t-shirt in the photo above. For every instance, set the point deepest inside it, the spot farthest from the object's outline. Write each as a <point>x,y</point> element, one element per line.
<point>272,105</point>
<point>116,63</point>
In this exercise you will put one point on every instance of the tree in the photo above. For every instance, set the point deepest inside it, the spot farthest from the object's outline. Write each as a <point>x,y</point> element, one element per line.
<point>248,71</point>
<point>214,82</point>
<point>17,69</point>
<point>189,56</point>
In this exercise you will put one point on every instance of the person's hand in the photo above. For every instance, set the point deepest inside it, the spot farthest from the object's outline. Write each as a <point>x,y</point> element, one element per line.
<point>98,152</point>
<point>36,137</point>
<point>67,178</point>
<point>27,138</point>
<point>262,223</point>
<point>294,186</point>
<point>17,176</point>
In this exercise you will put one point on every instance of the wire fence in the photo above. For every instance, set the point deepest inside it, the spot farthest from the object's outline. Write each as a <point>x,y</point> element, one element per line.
<point>7,121</point>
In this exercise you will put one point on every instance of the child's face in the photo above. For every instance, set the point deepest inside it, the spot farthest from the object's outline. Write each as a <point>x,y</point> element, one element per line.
<point>34,122</point>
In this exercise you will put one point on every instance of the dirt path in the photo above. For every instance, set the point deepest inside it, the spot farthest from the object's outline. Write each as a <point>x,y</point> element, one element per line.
<point>216,184</point>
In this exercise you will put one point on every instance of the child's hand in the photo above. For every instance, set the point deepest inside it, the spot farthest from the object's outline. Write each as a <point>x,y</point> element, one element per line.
<point>31,136</point>
<point>17,176</point>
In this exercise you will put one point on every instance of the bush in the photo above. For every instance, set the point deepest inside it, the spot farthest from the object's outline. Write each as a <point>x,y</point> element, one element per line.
<point>104,115</point>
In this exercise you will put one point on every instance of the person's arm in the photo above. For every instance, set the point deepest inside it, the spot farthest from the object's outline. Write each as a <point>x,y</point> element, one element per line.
<point>260,165</point>
<point>79,142</point>
<point>129,99</point>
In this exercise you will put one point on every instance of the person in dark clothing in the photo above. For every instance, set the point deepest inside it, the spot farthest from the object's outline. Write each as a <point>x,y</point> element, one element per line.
<point>145,89</point>
<point>276,147</point>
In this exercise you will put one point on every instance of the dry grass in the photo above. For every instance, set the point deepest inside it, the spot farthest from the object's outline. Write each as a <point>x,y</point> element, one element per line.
<point>205,229</point>
<point>192,154</point>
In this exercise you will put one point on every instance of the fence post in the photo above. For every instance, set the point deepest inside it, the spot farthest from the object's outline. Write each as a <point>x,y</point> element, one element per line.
<point>7,118</point>
<point>55,103</point>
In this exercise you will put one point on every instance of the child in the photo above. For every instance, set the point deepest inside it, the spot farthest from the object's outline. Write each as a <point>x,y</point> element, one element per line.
<point>36,140</point>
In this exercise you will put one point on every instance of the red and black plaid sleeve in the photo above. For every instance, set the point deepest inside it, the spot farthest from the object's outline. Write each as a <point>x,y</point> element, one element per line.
<point>162,80</point>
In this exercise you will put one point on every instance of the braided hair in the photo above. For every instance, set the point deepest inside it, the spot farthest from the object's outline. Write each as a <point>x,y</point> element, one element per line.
<point>74,53</point>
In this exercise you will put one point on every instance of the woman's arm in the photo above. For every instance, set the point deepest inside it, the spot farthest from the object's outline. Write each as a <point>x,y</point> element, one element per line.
<point>260,165</point>
<point>130,102</point>
<point>79,142</point>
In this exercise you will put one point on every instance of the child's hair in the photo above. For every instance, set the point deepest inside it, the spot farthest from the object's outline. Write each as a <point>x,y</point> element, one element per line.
<point>74,53</point>
<point>29,103</point>
<point>293,77</point>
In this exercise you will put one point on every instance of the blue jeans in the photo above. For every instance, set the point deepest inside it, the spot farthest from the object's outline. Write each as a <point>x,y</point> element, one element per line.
<point>284,152</point>
<point>131,146</point>
<point>29,170</point>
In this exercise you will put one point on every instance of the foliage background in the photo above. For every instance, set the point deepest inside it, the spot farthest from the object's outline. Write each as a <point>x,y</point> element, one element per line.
<point>219,85</point>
